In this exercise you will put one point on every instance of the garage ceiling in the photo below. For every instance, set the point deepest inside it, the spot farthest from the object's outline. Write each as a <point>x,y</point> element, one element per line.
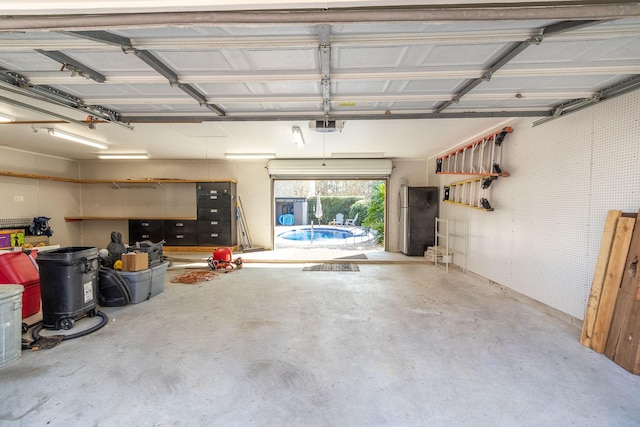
<point>408,81</point>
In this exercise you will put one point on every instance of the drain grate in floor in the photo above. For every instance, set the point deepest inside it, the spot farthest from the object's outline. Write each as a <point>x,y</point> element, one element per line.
<point>332,267</point>
<point>357,256</point>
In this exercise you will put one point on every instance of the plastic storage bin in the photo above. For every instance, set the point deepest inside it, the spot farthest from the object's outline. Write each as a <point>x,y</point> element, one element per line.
<point>17,268</point>
<point>158,273</point>
<point>10,325</point>
<point>68,284</point>
<point>139,284</point>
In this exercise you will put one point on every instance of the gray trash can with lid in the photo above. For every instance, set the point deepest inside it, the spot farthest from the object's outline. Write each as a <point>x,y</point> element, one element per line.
<point>68,285</point>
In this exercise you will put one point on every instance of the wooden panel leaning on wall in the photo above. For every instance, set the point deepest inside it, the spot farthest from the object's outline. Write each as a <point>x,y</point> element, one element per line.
<point>623,344</point>
<point>599,277</point>
<point>612,318</point>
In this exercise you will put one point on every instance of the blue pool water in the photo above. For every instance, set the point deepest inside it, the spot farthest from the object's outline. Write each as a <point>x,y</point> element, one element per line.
<point>319,233</point>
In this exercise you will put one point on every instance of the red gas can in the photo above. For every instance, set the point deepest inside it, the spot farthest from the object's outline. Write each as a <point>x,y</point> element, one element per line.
<point>222,254</point>
<point>16,268</point>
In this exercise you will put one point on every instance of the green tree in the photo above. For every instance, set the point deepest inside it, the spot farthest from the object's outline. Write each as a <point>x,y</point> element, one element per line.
<point>375,213</point>
<point>360,207</point>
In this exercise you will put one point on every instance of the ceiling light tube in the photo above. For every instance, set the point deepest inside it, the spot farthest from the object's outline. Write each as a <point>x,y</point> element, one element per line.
<point>249,155</point>
<point>297,136</point>
<point>6,119</point>
<point>79,139</point>
<point>123,156</point>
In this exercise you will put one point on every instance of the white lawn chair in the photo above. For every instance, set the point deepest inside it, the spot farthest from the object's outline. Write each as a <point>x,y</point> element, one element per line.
<point>338,220</point>
<point>352,221</point>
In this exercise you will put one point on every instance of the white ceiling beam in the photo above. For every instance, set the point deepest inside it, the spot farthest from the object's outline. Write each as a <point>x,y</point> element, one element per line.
<point>630,29</point>
<point>349,115</point>
<point>64,78</point>
<point>316,98</point>
<point>332,16</point>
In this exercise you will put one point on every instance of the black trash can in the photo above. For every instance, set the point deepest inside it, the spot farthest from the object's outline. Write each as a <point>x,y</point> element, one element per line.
<point>68,285</point>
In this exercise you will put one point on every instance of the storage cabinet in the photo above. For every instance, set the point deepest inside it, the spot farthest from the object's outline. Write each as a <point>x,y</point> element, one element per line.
<point>216,203</point>
<point>215,223</point>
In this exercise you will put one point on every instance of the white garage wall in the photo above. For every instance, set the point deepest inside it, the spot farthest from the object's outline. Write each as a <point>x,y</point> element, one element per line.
<point>177,200</point>
<point>543,238</point>
<point>29,198</point>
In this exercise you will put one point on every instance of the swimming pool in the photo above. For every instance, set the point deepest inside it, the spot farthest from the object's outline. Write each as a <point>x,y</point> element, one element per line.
<point>318,233</point>
<point>327,234</point>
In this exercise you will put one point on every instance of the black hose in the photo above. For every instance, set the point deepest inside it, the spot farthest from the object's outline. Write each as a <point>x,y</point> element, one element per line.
<point>105,319</point>
<point>26,327</point>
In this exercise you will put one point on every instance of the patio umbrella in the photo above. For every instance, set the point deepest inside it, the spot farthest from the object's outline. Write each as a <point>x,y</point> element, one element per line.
<point>318,209</point>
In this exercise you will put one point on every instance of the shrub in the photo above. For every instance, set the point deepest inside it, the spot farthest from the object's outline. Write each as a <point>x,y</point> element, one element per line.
<point>375,212</point>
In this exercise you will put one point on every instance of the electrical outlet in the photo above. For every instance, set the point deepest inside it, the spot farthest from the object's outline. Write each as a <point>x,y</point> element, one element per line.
<point>19,198</point>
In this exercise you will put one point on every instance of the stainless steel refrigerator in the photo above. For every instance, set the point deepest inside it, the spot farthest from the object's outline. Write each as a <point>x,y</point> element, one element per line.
<point>417,212</point>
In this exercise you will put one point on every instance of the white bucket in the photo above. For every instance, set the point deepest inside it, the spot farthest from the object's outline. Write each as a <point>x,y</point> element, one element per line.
<point>10,323</point>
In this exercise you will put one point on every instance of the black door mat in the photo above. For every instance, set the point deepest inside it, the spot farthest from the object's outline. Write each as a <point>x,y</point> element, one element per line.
<point>332,267</point>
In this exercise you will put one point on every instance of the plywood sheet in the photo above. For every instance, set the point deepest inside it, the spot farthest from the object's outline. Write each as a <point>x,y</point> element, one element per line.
<point>599,276</point>
<point>623,343</point>
<point>615,270</point>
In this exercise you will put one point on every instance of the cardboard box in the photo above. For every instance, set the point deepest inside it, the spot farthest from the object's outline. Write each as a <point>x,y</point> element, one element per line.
<point>37,240</point>
<point>135,261</point>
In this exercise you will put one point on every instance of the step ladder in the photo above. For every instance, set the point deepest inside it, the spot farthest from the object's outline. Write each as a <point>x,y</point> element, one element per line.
<point>482,157</point>
<point>473,193</point>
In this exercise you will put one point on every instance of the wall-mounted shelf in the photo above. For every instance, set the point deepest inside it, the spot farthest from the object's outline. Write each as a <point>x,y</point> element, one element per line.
<point>111,181</point>
<point>35,176</point>
<point>124,218</point>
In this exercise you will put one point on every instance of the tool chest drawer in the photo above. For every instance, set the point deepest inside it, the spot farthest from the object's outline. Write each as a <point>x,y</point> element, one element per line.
<point>141,229</point>
<point>180,233</point>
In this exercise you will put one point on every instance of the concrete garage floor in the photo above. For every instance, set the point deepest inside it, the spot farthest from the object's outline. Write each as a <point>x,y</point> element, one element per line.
<point>394,345</point>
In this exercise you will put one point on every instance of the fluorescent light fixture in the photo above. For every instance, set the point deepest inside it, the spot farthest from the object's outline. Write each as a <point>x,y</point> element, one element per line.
<point>297,136</point>
<point>6,119</point>
<point>250,155</point>
<point>79,139</point>
<point>123,156</point>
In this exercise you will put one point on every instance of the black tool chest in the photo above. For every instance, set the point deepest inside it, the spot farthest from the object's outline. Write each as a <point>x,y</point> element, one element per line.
<point>215,223</point>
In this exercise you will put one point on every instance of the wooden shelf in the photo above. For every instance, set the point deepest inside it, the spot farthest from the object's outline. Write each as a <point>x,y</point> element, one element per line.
<point>126,218</point>
<point>111,181</point>
<point>34,176</point>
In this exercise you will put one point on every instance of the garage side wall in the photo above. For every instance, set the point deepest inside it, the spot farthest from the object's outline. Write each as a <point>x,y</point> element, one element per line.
<point>29,198</point>
<point>544,236</point>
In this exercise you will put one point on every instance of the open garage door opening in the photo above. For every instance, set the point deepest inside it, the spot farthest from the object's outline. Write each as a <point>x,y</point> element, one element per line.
<point>330,214</point>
